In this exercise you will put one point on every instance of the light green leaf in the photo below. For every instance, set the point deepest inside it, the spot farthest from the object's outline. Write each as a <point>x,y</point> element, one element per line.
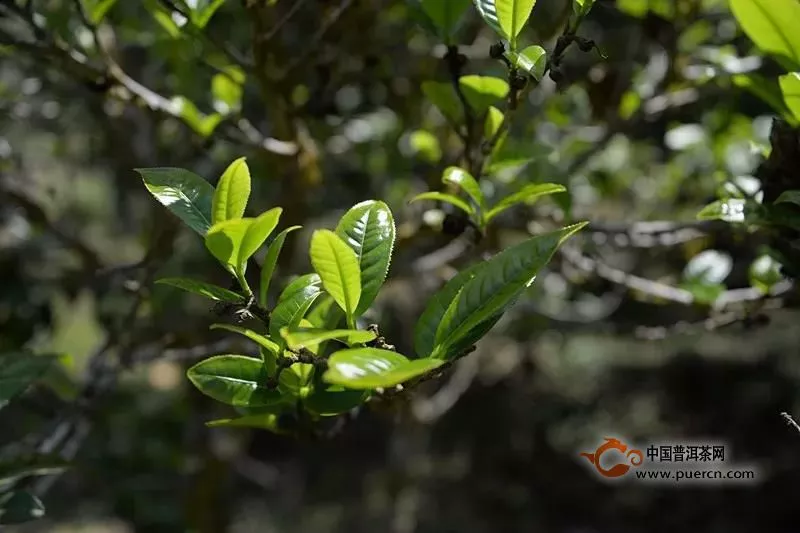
<point>265,342</point>
<point>17,468</point>
<point>443,96</point>
<point>18,370</point>
<point>97,9</point>
<point>527,194</point>
<point>494,120</point>
<point>507,17</point>
<point>208,290</point>
<point>372,368</point>
<point>232,193</point>
<point>338,267</point>
<point>428,322</point>
<point>467,183</point>
<point>496,285</point>
<point>201,16</point>
<point>425,145</point>
<point>773,26</point>
<point>483,91</point>
<point>164,20</point>
<point>790,197</point>
<point>368,228</point>
<point>532,60</point>
<point>18,507</point>
<point>196,119</point>
<point>269,421</point>
<point>303,337</point>
<point>444,197</point>
<point>270,262</point>
<point>790,89</point>
<point>768,89</point>
<point>224,241</point>
<point>445,14</point>
<point>257,233</point>
<point>234,380</point>
<point>184,193</point>
<point>293,304</point>
<point>226,87</point>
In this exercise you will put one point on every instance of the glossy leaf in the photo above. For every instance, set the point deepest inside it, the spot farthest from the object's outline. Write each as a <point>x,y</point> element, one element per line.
<point>527,194</point>
<point>428,322</point>
<point>483,91</point>
<point>507,17</point>
<point>257,233</point>
<point>532,60</point>
<point>296,338</point>
<point>445,14</point>
<point>234,380</point>
<point>464,180</point>
<point>19,507</point>
<point>207,290</point>
<point>263,341</point>
<point>444,97</point>
<point>444,197</point>
<point>496,285</point>
<point>293,304</point>
<point>16,468</point>
<point>368,229</point>
<point>224,241</point>
<point>18,370</point>
<point>372,368</point>
<point>773,26</point>
<point>790,90</point>
<point>332,400</point>
<point>270,262</point>
<point>184,193</point>
<point>338,268</point>
<point>232,192</point>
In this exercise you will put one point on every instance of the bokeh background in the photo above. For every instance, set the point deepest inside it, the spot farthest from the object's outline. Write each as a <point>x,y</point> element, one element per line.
<point>604,344</point>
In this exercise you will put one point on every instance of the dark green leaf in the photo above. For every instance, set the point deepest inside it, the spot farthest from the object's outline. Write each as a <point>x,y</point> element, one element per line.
<point>18,370</point>
<point>38,465</point>
<point>791,197</point>
<point>332,400</point>
<point>234,380</point>
<point>293,304</point>
<point>208,290</point>
<point>368,228</point>
<point>19,507</point>
<point>184,193</point>
<point>372,368</point>
<point>444,97</point>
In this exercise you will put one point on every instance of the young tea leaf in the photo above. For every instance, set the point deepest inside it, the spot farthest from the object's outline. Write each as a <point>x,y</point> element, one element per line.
<point>527,194</point>
<point>773,25</point>
<point>270,262</point>
<point>304,337</point>
<point>265,342</point>
<point>269,421</point>
<point>372,368</point>
<point>532,60</point>
<point>444,197</point>
<point>232,193</point>
<point>235,380</point>
<point>445,15</point>
<point>483,91</point>
<point>464,180</point>
<point>257,232</point>
<point>507,17</point>
<point>337,266</point>
<point>293,304</point>
<point>790,90</point>
<point>184,193</point>
<point>208,290</point>
<point>368,228</point>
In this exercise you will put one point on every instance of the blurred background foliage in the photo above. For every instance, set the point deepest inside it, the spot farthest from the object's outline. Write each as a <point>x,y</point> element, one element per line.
<point>654,325</point>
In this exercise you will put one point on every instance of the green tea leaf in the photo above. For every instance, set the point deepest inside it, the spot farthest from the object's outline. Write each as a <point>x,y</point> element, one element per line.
<point>208,290</point>
<point>790,90</point>
<point>232,193</point>
<point>368,228</point>
<point>270,262</point>
<point>269,421</point>
<point>257,233</point>
<point>444,197</point>
<point>428,322</point>
<point>506,17</point>
<point>263,341</point>
<point>184,193</point>
<point>464,180</point>
<point>226,87</point>
<point>496,285</point>
<point>773,26</point>
<point>200,17</point>
<point>790,197</point>
<point>494,120</point>
<point>224,241</point>
<point>443,96</point>
<point>372,368</point>
<point>532,60</point>
<point>18,370</point>
<point>445,14</point>
<point>483,91</point>
<point>332,400</point>
<point>19,507</point>
<point>527,194</point>
<point>768,89</point>
<point>303,337</point>
<point>13,469</point>
<point>234,380</point>
<point>338,267</point>
<point>425,145</point>
<point>293,304</point>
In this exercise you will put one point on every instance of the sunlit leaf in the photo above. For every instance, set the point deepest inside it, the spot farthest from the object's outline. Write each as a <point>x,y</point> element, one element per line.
<point>293,304</point>
<point>226,87</point>
<point>270,262</point>
<point>201,15</point>
<point>296,338</point>
<point>269,421</point>
<point>234,380</point>
<point>790,90</point>
<point>368,228</point>
<point>483,91</point>
<point>184,193</point>
<point>257,233</point>
<point>582,7</point>
<point>494,120</point>
<point>232,192</point>
<point>425,145</point>
<point>371,368</point>
<point>464,180</point>
<point>338,268</point>
<point>507,17</point>
<point>532,60</point>
<point>201,288</point>
<point>773,25</point>
<point>444,197</point>
<point>224,241</point>
<point>261,340</point>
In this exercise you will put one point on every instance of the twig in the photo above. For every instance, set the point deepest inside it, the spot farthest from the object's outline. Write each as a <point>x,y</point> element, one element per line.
<point>789,420</point>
